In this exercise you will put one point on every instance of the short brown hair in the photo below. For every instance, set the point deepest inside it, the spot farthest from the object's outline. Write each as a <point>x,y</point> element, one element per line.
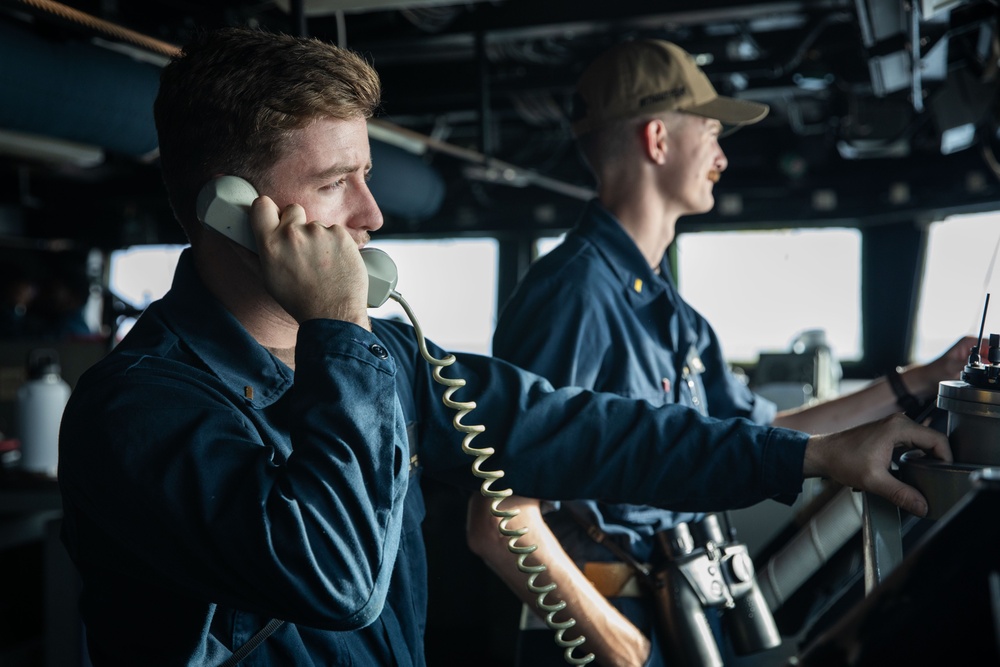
<point>229,99</point>
<point>607,146</point>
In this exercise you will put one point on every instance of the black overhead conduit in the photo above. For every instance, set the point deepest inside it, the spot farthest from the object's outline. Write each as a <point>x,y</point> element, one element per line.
<point>84,93</point>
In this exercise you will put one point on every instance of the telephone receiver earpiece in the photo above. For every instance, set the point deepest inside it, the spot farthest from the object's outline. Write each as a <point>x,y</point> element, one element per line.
<point>224,205</point>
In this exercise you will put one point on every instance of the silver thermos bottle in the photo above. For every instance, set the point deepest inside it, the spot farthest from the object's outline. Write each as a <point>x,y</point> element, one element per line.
<point>40,404</point>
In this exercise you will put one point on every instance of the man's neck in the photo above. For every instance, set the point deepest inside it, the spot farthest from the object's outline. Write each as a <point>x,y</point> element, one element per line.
<point>241,291</point>
<point>647,223</point>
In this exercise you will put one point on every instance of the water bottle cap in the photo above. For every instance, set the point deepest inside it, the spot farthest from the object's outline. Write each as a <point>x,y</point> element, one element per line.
<point>42,362</point>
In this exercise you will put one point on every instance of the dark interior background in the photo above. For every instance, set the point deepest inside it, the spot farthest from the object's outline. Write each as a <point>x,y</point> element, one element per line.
<point>884,116</point>
<point>880,110</point>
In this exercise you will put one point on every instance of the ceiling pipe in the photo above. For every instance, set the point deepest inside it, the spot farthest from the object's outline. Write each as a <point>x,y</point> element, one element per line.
<point>77,92</point>
<point>101,26</point>
<point>485,117</point>
<point>512,174</point>
<point>141,114</point>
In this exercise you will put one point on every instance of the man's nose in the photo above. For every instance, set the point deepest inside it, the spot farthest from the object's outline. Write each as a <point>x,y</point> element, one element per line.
<point>367,215</point>
<point>721,162</point>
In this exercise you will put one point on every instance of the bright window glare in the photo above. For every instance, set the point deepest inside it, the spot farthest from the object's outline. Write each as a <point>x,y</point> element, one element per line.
<point>960,269</point>
<point>450,285</point>
<point>547,244</point>
<point>760,289</point>
<point>142,274</point>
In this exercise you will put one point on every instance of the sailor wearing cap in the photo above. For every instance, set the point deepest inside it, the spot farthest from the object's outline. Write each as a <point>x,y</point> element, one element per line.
<point>600,311</point>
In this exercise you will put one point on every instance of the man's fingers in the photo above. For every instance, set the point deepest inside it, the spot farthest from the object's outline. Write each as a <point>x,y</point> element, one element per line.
<point>264,218</point>
<point>292,215</point>
<point>933,442</point>
<point>902,495</point>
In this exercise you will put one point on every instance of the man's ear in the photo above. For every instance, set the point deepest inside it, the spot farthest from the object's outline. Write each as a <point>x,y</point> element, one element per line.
<point>654,140</point>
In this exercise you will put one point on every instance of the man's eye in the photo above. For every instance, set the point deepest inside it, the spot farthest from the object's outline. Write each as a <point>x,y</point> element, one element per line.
<point>333,186</point>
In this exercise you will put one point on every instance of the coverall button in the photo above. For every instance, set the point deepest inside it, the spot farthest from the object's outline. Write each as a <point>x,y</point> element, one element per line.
<point>379,351</point>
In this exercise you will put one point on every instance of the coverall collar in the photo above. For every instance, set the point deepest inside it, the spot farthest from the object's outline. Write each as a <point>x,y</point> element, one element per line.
<point>640,283</point>
<point>220,341</point>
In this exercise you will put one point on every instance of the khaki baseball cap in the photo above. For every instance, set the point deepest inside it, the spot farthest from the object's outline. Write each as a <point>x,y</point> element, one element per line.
<point>643,77</point>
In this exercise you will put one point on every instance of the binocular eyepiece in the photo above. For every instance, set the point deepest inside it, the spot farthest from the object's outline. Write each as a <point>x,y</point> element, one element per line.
<point>702,568</point>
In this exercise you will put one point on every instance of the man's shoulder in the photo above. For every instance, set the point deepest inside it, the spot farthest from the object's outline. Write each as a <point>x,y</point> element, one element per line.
<point>126,368</point>
<point>572,265</point>
<point>149,350</point>
<point>556,295</point>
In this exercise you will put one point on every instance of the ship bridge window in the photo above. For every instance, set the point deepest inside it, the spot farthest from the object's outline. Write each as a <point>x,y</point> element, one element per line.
<point>451,285</point>
<point>761,289</point>
<point>139,275</point>
<point>960,268</point>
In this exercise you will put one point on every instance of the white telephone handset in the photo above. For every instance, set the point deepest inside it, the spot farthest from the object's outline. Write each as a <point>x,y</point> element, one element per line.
<point>224,205</point>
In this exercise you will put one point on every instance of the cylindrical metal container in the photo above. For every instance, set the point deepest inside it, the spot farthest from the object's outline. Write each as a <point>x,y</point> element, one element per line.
<point>973,422</point>
<point>943,484</point>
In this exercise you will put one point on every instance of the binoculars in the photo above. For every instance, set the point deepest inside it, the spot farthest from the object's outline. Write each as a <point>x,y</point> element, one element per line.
<point>703,569</point>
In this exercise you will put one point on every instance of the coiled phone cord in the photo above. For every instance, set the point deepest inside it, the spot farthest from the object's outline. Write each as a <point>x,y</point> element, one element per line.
<point>496,496</point>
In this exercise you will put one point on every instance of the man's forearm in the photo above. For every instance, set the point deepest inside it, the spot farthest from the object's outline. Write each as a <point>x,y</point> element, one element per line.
<point>609,635</point>
<point>878,399</point>
<point>874,401</point>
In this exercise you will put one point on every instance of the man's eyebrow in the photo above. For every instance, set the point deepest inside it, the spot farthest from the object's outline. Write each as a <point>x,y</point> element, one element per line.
<point>340,169</point>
